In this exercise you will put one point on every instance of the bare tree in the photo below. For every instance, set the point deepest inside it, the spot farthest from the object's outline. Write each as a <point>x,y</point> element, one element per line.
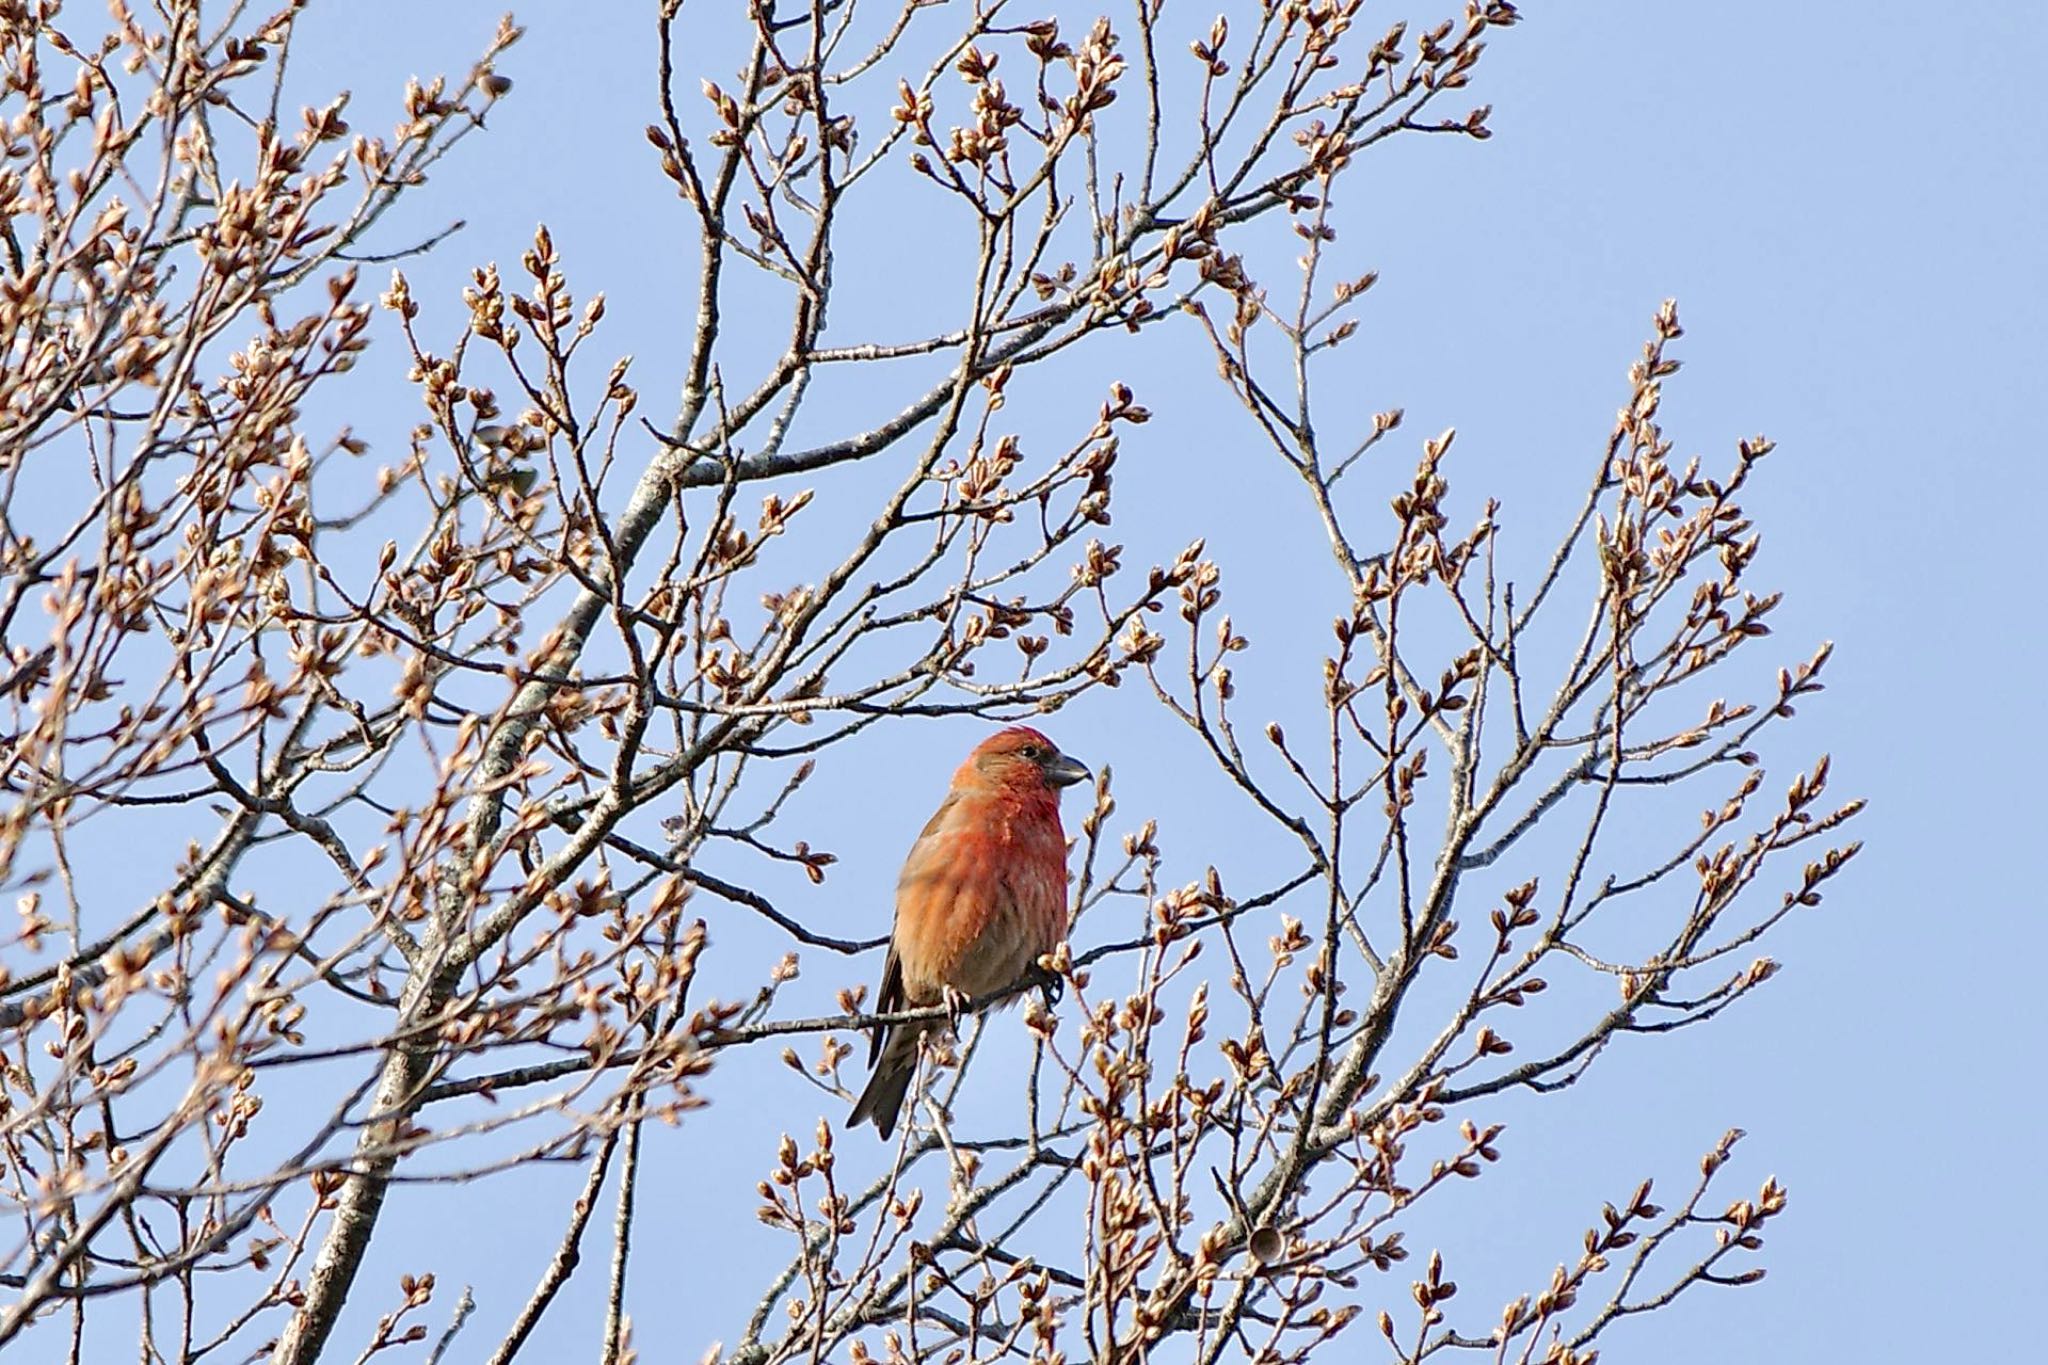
<point>476,768</point>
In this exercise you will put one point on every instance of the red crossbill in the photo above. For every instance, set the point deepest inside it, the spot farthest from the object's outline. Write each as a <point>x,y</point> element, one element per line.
<point>982,896</point>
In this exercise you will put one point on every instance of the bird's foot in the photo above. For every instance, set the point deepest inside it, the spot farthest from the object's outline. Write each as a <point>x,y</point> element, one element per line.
<point>957,1004</point>
<point>1052,987</point>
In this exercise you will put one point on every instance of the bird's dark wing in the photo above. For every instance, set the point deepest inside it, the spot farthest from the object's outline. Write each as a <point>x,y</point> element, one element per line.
<point>888,1000</point>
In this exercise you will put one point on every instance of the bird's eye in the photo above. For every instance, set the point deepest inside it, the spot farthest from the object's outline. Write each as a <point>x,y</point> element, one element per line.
<point>1032,752</point>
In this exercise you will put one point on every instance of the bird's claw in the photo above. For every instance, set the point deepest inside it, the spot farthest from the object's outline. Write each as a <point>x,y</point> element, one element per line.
<point>1052,987</point>
<point>956,1003</point>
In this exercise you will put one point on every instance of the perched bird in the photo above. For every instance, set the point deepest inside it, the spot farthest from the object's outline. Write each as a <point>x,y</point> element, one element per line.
<point>982,896</point>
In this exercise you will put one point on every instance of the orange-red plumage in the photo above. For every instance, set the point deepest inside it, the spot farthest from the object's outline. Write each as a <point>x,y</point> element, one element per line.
<point>982,896</point>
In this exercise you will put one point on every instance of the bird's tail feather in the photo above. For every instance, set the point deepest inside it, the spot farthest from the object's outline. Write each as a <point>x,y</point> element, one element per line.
<point>882,1100</point>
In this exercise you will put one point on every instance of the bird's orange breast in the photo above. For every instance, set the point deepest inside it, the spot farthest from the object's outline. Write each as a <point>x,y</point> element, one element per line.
<point>982,896</point>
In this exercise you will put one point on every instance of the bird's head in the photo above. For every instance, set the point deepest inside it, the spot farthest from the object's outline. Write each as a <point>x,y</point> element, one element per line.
<point>1022,758</point>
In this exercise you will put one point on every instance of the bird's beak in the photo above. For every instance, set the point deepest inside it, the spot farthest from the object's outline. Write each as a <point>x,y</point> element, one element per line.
<point>1065,772</point>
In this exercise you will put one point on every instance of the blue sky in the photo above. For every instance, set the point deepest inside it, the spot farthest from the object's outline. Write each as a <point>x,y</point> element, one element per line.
<point>1850,206</point>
